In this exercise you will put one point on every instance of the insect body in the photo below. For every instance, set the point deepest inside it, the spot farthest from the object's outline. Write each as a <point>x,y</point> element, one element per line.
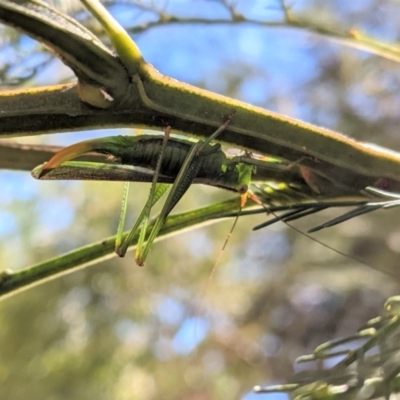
<point>180,160</point>
<point>214,168</point>
<point>208,165</point>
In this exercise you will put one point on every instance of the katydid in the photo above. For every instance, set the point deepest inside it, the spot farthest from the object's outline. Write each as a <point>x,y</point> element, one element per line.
<point>181,159</point>
<point>143,155</point>
<point>211,167</point>
<point>143,151</point>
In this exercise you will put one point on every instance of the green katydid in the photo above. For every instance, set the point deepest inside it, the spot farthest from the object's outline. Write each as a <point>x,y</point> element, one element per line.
<point>216,170</point>
<point>180,159</point>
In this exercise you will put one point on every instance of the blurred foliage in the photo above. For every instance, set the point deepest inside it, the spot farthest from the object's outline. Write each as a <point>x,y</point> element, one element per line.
<point>116,331</point>
<point>364,365</point>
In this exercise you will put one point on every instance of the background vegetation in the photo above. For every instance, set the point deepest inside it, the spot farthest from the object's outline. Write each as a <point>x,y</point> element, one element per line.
<point>115,331</point>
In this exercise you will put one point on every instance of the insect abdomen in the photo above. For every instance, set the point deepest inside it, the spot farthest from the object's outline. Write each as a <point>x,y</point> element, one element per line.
<point>145,151</point>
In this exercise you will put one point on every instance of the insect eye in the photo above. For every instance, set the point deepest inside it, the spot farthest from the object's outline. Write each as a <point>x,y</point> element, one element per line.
<point>243,189</point>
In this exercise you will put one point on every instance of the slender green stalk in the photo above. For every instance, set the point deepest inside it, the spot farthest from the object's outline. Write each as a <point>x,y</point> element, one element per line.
<point>126,48</point>
<point>12,282</point>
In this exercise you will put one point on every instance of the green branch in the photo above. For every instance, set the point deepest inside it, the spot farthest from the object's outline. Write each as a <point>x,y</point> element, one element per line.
<point>13,282</point>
